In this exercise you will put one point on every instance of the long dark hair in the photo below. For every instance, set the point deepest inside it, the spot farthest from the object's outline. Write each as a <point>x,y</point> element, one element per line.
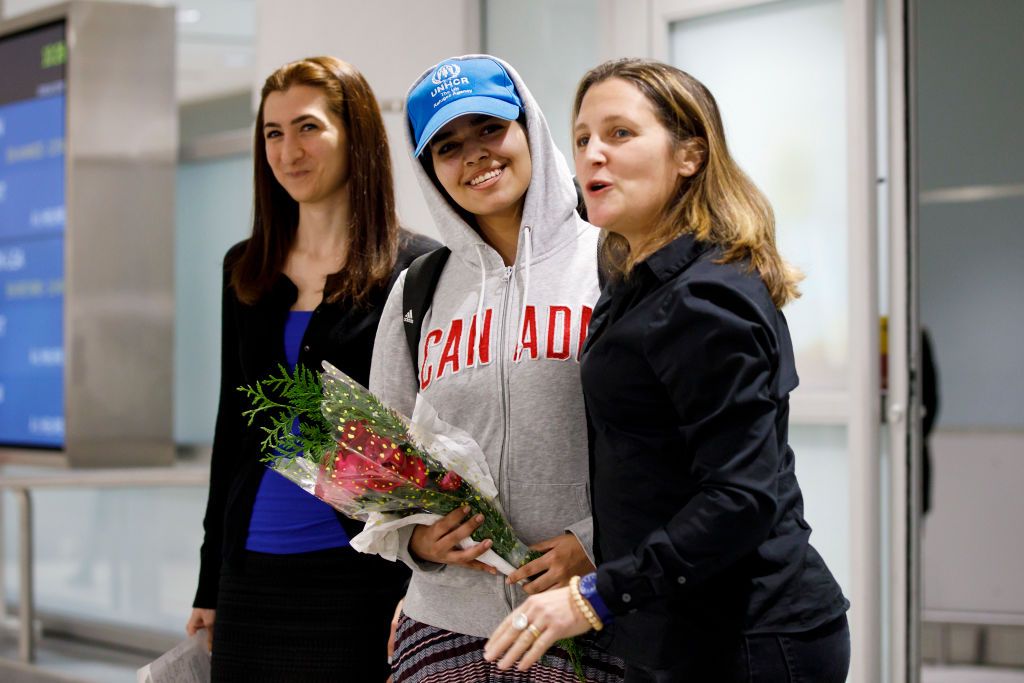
<point>720,204</point>
<point>374,233</point>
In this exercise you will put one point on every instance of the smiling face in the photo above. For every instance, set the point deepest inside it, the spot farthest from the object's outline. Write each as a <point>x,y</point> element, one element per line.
<point>307,147</point>
<point>484,165</point>
<point>626,160</point>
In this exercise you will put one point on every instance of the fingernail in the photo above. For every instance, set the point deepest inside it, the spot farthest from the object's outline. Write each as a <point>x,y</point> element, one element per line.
<point>465,508</point>
<point>479,518</point>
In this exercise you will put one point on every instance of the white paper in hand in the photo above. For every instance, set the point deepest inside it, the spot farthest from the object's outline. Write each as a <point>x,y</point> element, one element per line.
<point>186,662</point>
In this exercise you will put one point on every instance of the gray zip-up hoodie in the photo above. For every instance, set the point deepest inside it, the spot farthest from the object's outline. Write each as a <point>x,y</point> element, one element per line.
<point>499,358</point>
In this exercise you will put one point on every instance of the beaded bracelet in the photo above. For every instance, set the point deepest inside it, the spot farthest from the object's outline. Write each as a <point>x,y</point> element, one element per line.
<point>583,605</point>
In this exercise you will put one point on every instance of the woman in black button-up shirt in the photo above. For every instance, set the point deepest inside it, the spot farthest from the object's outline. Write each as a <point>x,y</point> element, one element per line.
<point>704,562</point>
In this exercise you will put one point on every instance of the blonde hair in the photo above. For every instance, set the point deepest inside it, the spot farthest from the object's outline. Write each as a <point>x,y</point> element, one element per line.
<point>719,204</point>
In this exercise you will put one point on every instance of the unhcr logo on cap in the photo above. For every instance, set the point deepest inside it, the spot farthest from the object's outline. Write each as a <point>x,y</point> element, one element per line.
<point>445,72</point>
<point>459,86</point>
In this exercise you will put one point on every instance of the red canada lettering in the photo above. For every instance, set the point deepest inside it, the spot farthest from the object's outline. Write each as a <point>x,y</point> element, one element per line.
<point>559,326</point>
<point>529,338</point>
<point>483,342</point>
<point>450,355</point>
<point>426,369</point>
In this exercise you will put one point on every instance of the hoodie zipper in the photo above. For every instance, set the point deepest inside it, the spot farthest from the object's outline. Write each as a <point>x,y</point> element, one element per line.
<point>505,489</point>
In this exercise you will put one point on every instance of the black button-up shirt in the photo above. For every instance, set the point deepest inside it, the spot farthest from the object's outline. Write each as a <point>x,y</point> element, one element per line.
<point>698,516</point>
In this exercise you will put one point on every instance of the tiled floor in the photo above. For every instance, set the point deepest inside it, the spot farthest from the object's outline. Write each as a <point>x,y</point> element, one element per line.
<point>67,663</point>
<point>79,664</point>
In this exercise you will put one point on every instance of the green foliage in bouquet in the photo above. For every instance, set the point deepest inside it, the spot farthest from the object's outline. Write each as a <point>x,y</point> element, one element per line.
<point>282,399</point>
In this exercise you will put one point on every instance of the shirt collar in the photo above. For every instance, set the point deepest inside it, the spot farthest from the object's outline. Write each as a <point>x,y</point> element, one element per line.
<point>667,262</point>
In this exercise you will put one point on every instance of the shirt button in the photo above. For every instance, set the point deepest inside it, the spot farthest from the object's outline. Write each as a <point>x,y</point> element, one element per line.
<point>626,597</point>
<point>681,580</point>
<point>306,347</point>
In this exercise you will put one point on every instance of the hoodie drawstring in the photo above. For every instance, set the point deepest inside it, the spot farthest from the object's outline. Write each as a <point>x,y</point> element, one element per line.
<point>527,256</point>
<point>480,298</point>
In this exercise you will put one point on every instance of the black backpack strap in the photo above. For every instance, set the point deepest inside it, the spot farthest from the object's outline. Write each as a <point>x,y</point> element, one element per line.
<point>420,283</point>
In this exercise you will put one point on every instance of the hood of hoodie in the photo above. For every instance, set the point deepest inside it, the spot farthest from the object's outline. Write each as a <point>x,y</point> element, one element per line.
<point>550,200</point>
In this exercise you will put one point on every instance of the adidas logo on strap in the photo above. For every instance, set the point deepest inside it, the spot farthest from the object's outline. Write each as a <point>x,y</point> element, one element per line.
<point>408,317</point>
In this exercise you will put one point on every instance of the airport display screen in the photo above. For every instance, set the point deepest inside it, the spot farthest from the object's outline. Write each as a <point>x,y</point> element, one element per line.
<point>32,216</point>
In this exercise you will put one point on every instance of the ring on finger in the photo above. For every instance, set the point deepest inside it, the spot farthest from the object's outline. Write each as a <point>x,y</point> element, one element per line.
<point>520,622</point>
<point>534,631</point>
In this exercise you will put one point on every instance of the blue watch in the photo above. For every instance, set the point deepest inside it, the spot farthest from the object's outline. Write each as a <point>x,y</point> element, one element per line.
<point>588,589</point>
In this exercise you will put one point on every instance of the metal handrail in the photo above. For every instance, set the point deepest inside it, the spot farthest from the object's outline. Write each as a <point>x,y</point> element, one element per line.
<point>22,485</point>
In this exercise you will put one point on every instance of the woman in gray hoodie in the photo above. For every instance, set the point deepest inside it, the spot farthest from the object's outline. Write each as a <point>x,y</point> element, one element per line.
<point>498,356</point>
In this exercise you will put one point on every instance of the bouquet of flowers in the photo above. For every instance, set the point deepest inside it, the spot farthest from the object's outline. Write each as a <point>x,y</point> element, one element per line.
<point>360,457</point>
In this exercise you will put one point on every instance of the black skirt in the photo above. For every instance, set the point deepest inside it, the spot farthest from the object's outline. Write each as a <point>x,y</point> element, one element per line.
<point>319,616</point>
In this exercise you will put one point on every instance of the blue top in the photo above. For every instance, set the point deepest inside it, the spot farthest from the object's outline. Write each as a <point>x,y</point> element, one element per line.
<point>285,519</point>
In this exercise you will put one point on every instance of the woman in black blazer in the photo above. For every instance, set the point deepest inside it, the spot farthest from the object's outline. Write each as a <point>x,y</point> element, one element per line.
<point>282,593</point>
<point>704,564</point>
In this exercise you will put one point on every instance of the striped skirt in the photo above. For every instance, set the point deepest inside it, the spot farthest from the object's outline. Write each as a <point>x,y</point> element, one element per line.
<point>424,654</point>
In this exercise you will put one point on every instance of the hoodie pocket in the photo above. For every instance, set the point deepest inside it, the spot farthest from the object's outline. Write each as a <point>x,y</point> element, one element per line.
<point>541,511</point>
<point>454,576</point>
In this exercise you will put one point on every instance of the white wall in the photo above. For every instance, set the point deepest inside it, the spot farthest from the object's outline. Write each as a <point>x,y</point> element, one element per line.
<point>625,28</point>
<point>391,41</point>
<point>972,557</point>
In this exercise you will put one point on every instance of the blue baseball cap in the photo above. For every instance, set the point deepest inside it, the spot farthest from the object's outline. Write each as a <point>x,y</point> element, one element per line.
<point>478,85</point>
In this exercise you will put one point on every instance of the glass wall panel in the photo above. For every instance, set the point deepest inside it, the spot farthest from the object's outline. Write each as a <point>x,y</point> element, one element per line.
<point>777,72</point>
<point>821,469</point>
<point>124,556</point>
<point>214,211</point>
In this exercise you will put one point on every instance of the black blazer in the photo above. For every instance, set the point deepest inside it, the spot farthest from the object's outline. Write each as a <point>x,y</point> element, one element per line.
<point>252,346</point>
<point>698,517</point>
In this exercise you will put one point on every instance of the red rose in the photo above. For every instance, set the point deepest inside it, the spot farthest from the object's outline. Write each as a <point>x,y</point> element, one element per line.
<point>414,471</point>
<point>450,481</point>
<point>342,472</point>
<point>379,463</point>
